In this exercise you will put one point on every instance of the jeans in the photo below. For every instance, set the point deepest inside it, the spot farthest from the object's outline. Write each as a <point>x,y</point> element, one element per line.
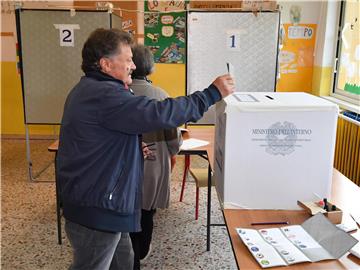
<point>98,250</point>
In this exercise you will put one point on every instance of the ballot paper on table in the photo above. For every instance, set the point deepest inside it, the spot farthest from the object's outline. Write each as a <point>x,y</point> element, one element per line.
<point>315,240</point>
<point>347,224</point>
<point>192,143</point>
<point>356,249</point>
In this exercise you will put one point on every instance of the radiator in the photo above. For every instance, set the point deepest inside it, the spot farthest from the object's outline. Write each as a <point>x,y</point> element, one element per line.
<point>347,149</point>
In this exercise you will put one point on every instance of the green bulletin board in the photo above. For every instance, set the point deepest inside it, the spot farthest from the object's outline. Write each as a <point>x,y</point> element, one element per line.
<point>165,31</point>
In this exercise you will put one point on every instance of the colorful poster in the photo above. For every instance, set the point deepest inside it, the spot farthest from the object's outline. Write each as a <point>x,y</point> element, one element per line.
<point>165,31</point>
<point>296,57</point>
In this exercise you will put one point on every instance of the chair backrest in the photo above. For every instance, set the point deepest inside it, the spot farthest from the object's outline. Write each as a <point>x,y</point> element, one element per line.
<point>201,177</point>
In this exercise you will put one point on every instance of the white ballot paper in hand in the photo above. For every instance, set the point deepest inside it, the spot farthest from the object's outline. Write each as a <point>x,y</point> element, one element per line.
<point>231,70</point>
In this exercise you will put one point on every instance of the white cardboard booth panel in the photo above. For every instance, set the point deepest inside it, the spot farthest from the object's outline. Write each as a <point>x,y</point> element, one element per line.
<point>272,149</point>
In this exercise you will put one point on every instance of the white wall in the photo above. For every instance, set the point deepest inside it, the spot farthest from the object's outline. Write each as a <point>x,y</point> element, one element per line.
<point>309,10</point>
<point>8,43</point>
<point>325,15</point>
<point>327,34</point>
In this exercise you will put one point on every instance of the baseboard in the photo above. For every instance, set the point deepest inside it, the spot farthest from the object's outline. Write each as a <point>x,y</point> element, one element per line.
<point>32,137</point>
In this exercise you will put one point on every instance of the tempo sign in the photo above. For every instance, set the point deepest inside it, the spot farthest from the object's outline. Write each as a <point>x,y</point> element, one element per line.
<point>300,32</point>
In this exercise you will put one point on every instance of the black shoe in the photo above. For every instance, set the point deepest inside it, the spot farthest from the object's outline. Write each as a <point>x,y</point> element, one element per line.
<point>147,254</point>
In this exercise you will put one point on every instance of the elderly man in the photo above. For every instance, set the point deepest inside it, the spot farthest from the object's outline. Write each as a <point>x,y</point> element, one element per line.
<point>100,158</point>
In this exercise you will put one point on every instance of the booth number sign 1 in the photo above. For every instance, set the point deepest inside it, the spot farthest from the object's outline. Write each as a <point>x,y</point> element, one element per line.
<point>66,34</point>
<point>233,39</point>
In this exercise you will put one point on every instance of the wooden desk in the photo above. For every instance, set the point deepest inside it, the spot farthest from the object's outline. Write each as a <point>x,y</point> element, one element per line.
<point>345,194</point>
<point>201,133</point>
<point>206,134</point>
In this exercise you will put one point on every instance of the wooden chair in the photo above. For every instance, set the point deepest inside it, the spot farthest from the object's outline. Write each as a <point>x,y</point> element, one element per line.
<point>201,180</point>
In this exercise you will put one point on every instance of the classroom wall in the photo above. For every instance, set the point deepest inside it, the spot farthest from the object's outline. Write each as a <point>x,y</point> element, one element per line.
<point>317,78</point>
<point>170,77</point>
<point>12,113</point>
<point>325,48</point>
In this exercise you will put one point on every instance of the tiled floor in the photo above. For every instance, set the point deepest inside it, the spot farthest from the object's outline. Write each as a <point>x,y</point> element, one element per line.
<point>28,222</point>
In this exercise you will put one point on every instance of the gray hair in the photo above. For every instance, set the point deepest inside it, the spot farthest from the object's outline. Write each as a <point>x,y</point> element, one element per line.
<point>102,43</point>
<point>143,60</point>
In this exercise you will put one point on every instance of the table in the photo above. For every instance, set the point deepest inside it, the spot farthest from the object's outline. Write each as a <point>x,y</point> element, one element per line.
<point>206,134</point>
<point>345,194</point>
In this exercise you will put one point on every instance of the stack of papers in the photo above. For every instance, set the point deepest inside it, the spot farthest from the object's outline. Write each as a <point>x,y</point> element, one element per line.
<point>315,240</point>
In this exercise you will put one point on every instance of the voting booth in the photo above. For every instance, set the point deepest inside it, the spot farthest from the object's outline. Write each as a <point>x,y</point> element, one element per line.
<point>50,45</point>
<point>49,48</point>
<point>247,40</point>
<point>272,149</point>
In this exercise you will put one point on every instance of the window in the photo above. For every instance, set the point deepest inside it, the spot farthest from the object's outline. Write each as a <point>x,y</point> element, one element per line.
<point>347,74</point>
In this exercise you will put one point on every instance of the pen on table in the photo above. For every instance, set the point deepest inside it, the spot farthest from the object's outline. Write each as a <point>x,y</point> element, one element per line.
<point>148,145</point>
<point>271,223</point>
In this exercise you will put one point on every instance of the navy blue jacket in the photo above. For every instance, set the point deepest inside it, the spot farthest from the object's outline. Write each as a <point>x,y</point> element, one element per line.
<point>100,160</point>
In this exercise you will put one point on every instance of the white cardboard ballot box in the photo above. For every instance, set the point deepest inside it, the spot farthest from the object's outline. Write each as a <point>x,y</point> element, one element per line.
<point>273,149</point>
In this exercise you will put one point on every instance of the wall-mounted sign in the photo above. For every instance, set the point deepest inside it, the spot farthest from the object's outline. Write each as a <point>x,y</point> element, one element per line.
<point>300,32</point>
<point>66,34</point>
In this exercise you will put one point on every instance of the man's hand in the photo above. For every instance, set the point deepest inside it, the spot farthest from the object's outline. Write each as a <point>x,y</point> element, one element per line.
<point>225,84</point>
<point>147,152</point>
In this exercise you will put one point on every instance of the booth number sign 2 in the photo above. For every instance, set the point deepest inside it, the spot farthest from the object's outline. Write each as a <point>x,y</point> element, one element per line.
<point>67,34</point>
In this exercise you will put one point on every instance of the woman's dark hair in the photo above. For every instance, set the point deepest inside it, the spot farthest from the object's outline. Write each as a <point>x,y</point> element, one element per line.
<point>143,60</point>
<point>102,42</point>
